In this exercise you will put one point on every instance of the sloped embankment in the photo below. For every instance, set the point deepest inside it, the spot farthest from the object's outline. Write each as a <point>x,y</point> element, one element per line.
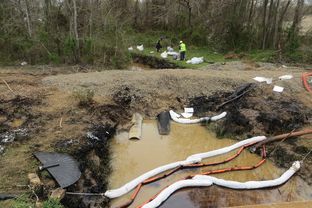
<point>256,110</point>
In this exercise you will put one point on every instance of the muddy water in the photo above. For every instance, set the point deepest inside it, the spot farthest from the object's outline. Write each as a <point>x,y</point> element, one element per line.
<point>133,158</point>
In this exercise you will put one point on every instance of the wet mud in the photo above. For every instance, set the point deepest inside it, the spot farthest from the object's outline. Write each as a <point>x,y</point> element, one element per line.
<point>133,158</point>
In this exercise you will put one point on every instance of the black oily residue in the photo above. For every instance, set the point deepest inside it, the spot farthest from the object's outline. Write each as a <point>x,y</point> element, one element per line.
<point>258,111</point>
<point>153,62</point>
<point>93,155</point>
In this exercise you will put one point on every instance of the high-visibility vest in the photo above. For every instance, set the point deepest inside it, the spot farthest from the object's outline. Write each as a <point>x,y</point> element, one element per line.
<point>182,47</point>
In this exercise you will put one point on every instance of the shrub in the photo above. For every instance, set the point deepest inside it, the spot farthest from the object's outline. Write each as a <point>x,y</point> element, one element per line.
<point>84,96</point>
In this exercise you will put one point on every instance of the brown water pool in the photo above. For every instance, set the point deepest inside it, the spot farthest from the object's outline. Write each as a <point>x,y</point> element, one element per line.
<point>133,158</point>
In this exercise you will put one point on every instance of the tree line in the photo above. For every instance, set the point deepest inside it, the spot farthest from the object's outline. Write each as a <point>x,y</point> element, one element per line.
<point>99,31</point>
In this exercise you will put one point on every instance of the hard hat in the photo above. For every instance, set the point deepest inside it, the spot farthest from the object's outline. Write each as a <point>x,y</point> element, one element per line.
<point>181,41</point>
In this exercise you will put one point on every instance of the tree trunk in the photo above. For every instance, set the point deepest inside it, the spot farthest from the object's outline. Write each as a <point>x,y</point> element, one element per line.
<point>28,18</point>
<point>76,31</point>
<point>297,17</point>
<point>275,30</point>
<point>265,4</point>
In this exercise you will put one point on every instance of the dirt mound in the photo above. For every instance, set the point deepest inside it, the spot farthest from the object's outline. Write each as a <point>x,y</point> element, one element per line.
<point>254,109</point>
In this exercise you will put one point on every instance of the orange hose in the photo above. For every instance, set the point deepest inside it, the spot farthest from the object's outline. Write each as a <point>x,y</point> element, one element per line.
<point>242,168</point>
<point>304,78</point>
<point>217,172</point>
<point>198,165</point>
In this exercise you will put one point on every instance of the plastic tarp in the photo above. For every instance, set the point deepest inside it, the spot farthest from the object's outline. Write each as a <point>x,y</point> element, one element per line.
<point>114,193</point>
<point>203,180</point>
<point>164,55</point>
<point>140,47</point>
<point>278,89</point>
<point>286,77</point>
<point>174,117</point>
<point>196,60</point>
<point>264,79</point>
<point>172,53</point>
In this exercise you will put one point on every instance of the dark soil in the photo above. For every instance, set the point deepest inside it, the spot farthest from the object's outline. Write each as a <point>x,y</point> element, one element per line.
<point>259,111</point>
<point>93,151</point>
<point>153,62</point>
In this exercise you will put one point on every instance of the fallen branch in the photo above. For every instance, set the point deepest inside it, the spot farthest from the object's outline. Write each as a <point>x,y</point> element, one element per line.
<point>8,87</point>
<point>61,121</point>
<point>283,136</point>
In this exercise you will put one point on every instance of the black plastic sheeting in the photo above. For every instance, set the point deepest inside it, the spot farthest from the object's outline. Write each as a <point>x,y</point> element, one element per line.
<point>63,168</point>
<point>163,123</point>
<point>6,197</point>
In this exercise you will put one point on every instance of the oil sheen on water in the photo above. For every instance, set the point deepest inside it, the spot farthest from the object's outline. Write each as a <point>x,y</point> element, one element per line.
<point>133,158</point>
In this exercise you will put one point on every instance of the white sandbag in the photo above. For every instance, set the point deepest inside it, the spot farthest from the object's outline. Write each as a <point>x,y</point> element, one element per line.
<point>286,77</point>
<point>226,149</point>
<point>174,187</point>
<point>172,53</point>
<point>130,48</point>
<point>264,79</point>
<point>253,184</point>
<point>218,117</point>
<point>203,180</point>
<point>164,55</point>
<point>132,184</point>
<point>194,121</point>
<point>196,60</point>
<point>170,49</point>
<point>114,193</point>
<point>187,115</point>
<point>188,110</point>
<point>278,89</point>
<point>140,47</point>
<point>174,114</point>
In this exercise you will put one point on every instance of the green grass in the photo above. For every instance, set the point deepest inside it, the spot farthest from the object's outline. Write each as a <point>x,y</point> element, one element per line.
<point>209,56</point>
<point>261,55</point>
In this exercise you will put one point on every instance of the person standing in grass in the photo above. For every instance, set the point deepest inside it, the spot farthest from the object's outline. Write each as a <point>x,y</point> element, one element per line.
<point>158,45</point>
<point>182,50</point>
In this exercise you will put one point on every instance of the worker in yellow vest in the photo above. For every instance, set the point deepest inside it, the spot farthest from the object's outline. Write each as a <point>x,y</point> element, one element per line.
<point>182,50</point>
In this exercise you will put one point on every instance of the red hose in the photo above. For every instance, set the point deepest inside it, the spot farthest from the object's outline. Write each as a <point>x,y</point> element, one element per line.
<point>304,78</point>
<point>198,165</point>
<point>242,168</point>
